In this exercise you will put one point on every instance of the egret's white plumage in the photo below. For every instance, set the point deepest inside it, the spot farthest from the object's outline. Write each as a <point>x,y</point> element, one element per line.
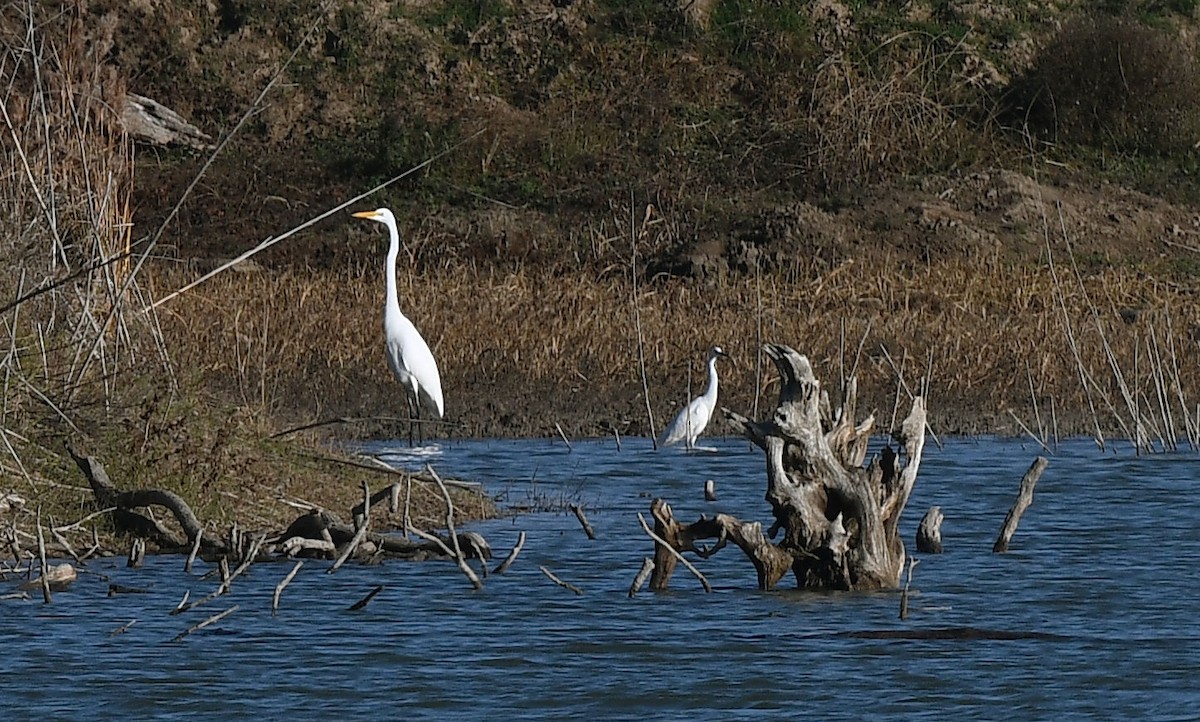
<point>408,355</point>
<point>692,419</point>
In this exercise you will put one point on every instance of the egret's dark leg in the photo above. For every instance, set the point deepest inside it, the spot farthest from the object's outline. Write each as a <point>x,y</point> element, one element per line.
<point>412,413</point>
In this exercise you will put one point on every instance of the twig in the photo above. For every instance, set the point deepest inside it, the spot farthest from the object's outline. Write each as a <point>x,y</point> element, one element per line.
<point>62,540</point>
<point>912,562</point>
<point>675,553</point>
<point>250,112</point>
<point>280,586</point>
<point>226,577</point>
<point>901,383</point>
<point>364,524</point>
<point>75,525</point>
<point>251,554</point>
<point>458,556</point>
<point>1030,433</point>
<point>512,555</point>
<point>561,583</point>
<point>41,539</point>
<point>348,549</point>
<point>211,620</point>
<point>563,436</point>
<point>353,420</point>
<point>637,316</point>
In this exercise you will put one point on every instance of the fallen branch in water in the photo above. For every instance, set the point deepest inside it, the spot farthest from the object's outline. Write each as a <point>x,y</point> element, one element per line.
<point>512,555</point>
<point>363,519</point>
<point>211,620</point>
<point>280,586</point>
<point>912,562</point>
<point>227,579</point>
<point>565,585</point>
<point>583,520</point>
<point>458,555</point>
<point>1024,499</point>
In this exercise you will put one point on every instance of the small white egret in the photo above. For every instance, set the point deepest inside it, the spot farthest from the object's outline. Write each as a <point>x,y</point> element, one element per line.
<point>408,355</point>
<point>694,417</point>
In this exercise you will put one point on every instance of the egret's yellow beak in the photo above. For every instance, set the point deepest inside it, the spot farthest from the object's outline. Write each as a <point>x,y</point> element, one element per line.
<point>365,214</point>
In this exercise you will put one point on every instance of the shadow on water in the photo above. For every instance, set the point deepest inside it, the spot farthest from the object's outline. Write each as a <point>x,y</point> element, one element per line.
<point>1090,614</point>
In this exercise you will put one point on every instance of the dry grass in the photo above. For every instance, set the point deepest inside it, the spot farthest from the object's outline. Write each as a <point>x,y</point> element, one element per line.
<point>564,347</point>
<point>898,113</point>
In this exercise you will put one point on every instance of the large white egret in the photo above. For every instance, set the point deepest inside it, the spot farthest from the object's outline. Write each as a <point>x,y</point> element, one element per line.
<point>694,417</point>
<point>408,355</point>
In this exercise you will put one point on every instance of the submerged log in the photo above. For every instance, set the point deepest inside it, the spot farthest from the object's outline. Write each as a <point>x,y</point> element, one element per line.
<point>840,520</point>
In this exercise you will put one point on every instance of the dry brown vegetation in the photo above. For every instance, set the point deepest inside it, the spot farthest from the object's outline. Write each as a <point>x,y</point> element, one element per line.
<point>524,350</point>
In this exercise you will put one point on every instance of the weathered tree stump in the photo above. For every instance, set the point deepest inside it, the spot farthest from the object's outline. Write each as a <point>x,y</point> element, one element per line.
<point>840,520</point>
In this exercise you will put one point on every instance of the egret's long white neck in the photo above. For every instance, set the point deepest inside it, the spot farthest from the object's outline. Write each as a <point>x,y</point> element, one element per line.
<point>711,392</point>
<point>393,301</point>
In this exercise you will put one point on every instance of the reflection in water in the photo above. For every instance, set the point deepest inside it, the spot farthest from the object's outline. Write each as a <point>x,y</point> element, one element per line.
<point>1091,613</point>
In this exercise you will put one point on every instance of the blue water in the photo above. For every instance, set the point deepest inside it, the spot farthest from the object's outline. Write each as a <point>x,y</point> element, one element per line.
<point>1103,565</point>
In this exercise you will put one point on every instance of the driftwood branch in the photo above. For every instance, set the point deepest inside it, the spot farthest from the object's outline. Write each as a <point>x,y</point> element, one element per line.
<point>367,599</point>
<point>152,122</point>
<point>583,521</point>
<point>912,562</point>
<point>211,620</point>
<point>565,585</point>
<point>124,502</point>
<point>320,533</point>
<point>1024,499</point>
<point>282,584</point>
<point>512,555</point>
<point>458,554</point>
